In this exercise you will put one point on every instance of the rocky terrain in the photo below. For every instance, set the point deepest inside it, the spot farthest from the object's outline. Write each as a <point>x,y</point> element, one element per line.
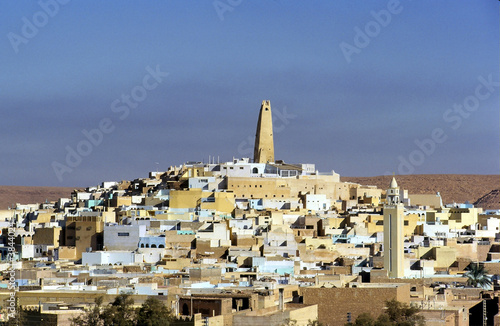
<point>490,200</point>
<point>480,189</point>
<point>10,195</point>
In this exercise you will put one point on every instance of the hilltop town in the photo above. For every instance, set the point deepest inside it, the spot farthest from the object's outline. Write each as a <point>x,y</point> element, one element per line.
<point>252,241</point>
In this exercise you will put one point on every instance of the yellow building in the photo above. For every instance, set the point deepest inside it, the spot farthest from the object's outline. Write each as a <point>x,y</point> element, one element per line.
<point>223,202</point>
<point>47,236</point>
<point>463,217</point>
<point>444,256</point>
<point>255,187</point>
<point>84,232</point>
<point>118,201</point>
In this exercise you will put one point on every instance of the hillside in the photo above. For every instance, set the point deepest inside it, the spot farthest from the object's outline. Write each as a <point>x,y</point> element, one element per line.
<point>490,200</point>
<point>10,195</point>
<point>453,187</point>
<point>482,190</point>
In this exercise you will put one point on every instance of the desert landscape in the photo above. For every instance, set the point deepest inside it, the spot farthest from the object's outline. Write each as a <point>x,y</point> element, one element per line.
<point>482,190</point>
<point>10,195</point>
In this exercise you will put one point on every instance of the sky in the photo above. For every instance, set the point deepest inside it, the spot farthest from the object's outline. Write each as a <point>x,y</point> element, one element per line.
<point>94,91</point>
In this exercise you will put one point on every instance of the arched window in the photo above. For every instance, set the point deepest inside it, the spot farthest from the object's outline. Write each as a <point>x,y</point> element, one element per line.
<point>255,170</point>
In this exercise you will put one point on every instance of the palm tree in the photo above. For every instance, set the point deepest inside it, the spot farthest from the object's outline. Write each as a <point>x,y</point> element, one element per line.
<point>477,276</point>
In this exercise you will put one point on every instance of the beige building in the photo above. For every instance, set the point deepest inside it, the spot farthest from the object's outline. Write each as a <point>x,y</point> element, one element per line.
<point>223,202</point>
<point>335,304</point>
<point>84,232</point>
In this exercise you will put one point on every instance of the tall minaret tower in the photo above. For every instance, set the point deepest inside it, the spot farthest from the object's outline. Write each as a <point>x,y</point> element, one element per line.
<point>393,232</point>
<point>264,143</point>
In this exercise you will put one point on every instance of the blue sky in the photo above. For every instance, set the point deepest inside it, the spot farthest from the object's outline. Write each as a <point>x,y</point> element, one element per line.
<point>424,69</point>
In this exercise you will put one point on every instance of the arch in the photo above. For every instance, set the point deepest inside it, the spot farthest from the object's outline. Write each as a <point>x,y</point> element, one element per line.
<point>142,245</point>
<point>255,170</point>
<point>185,309</point>
<point>153,246</point>
<point>161,246</point>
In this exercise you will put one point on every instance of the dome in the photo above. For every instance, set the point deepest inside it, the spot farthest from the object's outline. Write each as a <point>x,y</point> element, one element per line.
<point>394,184</point>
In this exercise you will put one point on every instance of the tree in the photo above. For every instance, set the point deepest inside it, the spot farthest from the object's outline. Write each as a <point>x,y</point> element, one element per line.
<point>154,313</point>
<point>402,314</point>
<point>92,317</point>
<point>289,322</point>
<point>477,276</point>
<point>397,313</point>
<point>120,312</point>
<point>364,319</point>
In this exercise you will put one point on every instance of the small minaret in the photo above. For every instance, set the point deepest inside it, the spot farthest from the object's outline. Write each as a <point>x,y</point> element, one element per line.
<point>264,143</point>
<point>393,193</point>
<point>393,233</point>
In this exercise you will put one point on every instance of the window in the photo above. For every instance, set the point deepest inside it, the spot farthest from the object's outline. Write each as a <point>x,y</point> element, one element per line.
<point>123,234</point>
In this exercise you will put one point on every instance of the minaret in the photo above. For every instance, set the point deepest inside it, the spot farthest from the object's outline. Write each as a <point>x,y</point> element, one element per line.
<point>264,143</point>
<point>393,193</point>
<point>393,233</point>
